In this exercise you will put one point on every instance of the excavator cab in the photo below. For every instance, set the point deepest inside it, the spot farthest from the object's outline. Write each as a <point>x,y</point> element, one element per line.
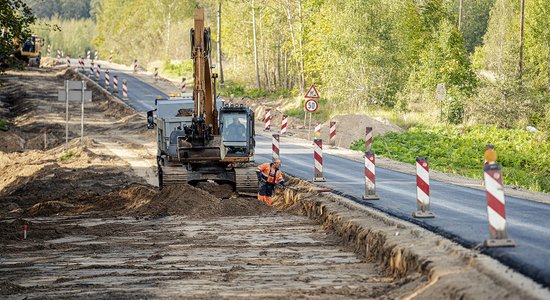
<point>237,130</point>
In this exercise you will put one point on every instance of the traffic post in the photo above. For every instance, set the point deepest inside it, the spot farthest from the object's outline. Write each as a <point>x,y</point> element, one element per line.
<point>156,74</point>
<point>318,160</point>
<point>98,72</point>
<point>68,61</point>
<point>115,84</point>
<point>310,105</point>
<point>124,89</point>
<point>496,207</point>
<point>107,83</point>
<point>317,133</point>
<point>422,189</point>
<point>88,54</point>
<point>111,57</point>
<point>96,55</point>
<point>370,174</point>
<point>368,139</point>
<point>284,123</point>
<point>91,69</point>
<point>275,147</point>
<point>49,51</point>
<point>58,53</point>
<point>332,134</point>
<point>267,120</point>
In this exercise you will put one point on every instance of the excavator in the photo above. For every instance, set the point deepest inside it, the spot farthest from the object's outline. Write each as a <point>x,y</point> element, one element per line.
<point>198,137</point>
<point>30,49</point>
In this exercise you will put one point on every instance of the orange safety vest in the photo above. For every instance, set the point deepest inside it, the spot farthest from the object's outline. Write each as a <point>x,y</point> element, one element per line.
<point>270,173</point>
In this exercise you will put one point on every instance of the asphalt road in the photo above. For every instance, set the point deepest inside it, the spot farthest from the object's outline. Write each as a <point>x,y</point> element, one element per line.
<point>461,212</point>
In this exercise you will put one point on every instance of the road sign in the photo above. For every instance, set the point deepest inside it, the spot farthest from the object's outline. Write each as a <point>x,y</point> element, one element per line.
<point>311,105</point>
<point>441,91</point>
<point>74,95</point>
<point>312,92</point>
<point>74,85</point>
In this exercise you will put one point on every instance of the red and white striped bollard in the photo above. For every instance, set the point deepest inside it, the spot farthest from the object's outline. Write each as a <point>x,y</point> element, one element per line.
<point>96,55</point>
<point>332,134</point>
<point>111,57</point>
<point>496,208</point>
<point>275,147</point>
<point>68,61</point>
<point>92,69</point>
<point>124,89</point>
<point>422,189</point>
<point>49,50</point>
<point>267,120</point>
<point>88,54</point>
<point>368,139</point>
<point>98,72</point>
<point>58,54</point>
<point>317,133</point>
<point>318,160</point>
<point>107,83</point>
<point>284,124</point>
<point>370,174</point>
<point>115,84</point>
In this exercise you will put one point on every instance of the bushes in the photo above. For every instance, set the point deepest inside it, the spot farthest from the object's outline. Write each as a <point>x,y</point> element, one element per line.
<point>524,156</point>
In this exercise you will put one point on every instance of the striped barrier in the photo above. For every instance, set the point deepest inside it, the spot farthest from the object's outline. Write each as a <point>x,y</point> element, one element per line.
<point>68,61</point>
<point>284,124</point>
<point>332,134</point>
<point>88,54</point>
<point>96,55</point>
<point>92,69</point>
<point>317,133</point>
<point>58,54</point>
<point>115,84</point>
<point>98,72</point>
<point>49,51</point>
<point>496,208</point>
<point>124,89</point>
<point>370,171</point>
<point>318,160</point>
<point>422,189</point>
<point>275,147</point>
<point>111,57</point>
<point>107,79</point>
<point>267,120</point>
<point>156,74</point>
<point>368,139</point>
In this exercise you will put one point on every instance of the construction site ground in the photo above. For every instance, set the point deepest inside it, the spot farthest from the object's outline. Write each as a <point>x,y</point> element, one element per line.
<point>97,227</point>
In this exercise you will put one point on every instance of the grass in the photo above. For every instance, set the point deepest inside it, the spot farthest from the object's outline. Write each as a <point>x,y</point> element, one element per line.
<point>67,155</point>
<point>4,125</point>
<point>524,156</point>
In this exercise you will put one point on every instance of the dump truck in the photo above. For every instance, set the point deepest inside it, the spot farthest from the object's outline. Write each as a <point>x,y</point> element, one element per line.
<point>199,138</point>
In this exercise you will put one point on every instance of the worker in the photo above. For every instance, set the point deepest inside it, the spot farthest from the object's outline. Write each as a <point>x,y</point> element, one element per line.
<point>269,174</point>
<point>236,131</point>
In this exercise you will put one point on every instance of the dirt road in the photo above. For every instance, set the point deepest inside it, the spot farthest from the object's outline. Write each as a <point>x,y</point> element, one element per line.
<point>97,228</point>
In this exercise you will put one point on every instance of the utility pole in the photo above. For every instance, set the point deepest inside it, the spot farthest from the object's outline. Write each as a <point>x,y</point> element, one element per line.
<point>459,14</point>
<point>521,38</point>
<point>220,41</point>
<point>255,45</point>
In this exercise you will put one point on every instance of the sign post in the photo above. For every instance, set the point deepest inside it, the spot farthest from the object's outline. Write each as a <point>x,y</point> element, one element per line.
<point>311,105</point>
<point>74,91</point>
<point>441,93</point>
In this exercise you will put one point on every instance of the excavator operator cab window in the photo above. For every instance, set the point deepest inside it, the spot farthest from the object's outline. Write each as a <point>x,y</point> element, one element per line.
<point>234,131</point>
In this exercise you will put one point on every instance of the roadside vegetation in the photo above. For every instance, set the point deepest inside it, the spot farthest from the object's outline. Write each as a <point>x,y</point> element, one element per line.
<point>524,156</point>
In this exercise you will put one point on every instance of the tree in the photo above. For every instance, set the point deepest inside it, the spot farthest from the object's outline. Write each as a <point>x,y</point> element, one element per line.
<point>15,19</point>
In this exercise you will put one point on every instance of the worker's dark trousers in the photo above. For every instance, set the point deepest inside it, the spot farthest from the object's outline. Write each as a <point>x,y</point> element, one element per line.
<point>265,193</point>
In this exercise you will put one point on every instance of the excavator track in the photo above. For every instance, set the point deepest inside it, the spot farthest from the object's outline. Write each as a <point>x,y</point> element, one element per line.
<point>172,175</point>
<point>246,180</point>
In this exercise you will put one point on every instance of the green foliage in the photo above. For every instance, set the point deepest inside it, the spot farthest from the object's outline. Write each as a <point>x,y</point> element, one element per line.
<point>73,37</point>
<point>15,20</point>
<point>65,9</point>
<point>4,124</point>
<point>231,89</point>
<point>68,155</point>
<point>178,70</point>
<point>524,156</point>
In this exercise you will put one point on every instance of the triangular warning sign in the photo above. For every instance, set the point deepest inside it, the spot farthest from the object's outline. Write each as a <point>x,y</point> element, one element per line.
<point>312,92</point>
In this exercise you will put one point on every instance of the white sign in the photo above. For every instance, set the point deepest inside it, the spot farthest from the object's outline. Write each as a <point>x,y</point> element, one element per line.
<point>311,105</point>
<point>75,85</point>
<point>74,95</point>
<point>441,91</point>
<point>312,92</point>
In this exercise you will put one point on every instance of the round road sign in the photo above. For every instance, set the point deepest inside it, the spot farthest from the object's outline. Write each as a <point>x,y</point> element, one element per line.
<point>311,105</point>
